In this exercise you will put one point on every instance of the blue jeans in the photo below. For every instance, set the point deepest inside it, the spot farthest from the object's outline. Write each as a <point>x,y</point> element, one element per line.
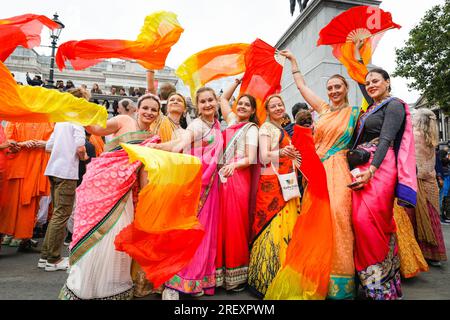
<point>443,192</point>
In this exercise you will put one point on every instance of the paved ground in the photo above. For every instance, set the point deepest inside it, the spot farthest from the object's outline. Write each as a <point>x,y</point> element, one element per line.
<point>21,279</point>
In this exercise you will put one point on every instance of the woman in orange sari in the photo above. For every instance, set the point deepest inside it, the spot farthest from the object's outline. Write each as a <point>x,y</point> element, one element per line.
<point>235,190</point>
<point>332,136</point>
<point>274,218</point>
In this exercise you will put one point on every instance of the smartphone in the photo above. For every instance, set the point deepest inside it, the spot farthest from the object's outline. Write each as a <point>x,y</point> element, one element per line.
<point>353,184</point>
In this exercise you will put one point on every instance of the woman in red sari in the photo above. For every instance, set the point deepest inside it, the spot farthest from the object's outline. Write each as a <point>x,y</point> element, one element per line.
<point>241,147</point>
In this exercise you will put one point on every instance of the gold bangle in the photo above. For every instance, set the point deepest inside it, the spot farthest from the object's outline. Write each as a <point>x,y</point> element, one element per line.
<point>372,173</point>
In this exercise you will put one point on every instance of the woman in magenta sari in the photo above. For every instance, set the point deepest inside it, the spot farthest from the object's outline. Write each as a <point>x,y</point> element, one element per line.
<point>203,139</point>
<point>385,134</point>
<point>235,189</point>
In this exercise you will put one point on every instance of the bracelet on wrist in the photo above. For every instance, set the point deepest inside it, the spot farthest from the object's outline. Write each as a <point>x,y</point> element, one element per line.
<point>371,173</point>
<point>296,71</point>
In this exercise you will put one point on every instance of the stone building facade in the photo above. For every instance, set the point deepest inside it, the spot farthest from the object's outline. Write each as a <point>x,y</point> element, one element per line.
<point>107,74</point>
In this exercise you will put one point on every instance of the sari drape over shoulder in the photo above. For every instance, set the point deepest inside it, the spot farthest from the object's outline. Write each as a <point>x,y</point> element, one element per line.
<point>376,251</point>
<point>332,135</point>
<point>234,229</point>
<point>164,128</point>
<point>104,206</point>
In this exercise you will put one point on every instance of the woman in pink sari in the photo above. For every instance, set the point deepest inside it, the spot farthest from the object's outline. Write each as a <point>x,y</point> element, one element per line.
<point>235,189</point>
<point>384,137</point>
<point>203,139</point>
<point>105,203</point>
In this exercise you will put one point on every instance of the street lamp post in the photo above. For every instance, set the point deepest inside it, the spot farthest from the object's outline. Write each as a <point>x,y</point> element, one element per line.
<point>54,35</point>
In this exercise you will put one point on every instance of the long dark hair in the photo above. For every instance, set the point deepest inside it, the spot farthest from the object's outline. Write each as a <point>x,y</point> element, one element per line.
<point>252,100</point>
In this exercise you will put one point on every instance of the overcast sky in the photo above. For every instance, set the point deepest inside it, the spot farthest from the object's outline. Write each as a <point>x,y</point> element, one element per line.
<point>208,23</point>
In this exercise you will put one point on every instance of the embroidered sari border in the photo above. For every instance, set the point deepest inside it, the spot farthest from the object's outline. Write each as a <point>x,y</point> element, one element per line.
<point>98,232</point>
<point>129,137</point>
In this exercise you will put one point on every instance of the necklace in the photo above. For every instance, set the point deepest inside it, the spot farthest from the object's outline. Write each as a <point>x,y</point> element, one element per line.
<point>177,124</point>
<point>381,100</point>
<point>209,124</point>
<point>342,106</point>
<point>139,126</point>
<point>276,125</point>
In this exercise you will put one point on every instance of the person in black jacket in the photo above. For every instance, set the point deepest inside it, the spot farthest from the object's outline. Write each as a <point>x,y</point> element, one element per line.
<point>36,81</point>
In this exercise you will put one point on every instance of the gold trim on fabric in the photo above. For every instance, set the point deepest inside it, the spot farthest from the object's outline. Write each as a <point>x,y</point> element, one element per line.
<point>100,231</point>
<point>127,137</point>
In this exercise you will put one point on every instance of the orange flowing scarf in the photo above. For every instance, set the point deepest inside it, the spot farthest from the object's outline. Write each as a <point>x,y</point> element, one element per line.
<point>344,52</point>
<point>165,233</point>
<point>161,30</point>
<point>38,104</point>
<point>24,30</point>
<point>211,64</point>
<point>306,271</point>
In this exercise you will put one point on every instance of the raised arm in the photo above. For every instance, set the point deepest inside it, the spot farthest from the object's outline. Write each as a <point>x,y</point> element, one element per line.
<point>358,45</point>
<point>112,126</point>
<point>313,99</point>
<point>225,99</point>
<point>151,81</point>
<point>176,145</point>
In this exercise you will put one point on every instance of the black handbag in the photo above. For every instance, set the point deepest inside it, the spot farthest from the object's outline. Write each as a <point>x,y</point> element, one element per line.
<point>357,157</point>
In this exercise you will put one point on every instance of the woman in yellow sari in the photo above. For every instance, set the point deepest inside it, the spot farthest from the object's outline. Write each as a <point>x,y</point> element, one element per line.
<point>412,261</point>
<point>168,127</point>
<point>274,218</point>
<point>332,135</point>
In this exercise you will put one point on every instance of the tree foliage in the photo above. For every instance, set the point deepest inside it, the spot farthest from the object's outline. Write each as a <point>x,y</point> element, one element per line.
<point>425,58</point>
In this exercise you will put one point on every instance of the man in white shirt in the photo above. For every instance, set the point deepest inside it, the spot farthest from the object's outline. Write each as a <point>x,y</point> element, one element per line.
<point>66,145</point>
